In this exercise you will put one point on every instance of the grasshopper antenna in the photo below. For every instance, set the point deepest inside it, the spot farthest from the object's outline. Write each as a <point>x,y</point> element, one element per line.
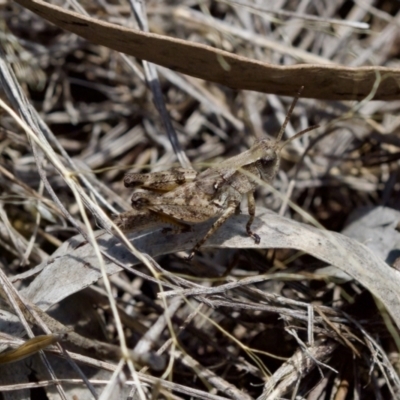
<point>298,134</point>
<point>288,115</point>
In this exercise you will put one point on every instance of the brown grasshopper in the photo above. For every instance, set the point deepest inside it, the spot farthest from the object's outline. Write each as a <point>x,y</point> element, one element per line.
<point>184,196</point>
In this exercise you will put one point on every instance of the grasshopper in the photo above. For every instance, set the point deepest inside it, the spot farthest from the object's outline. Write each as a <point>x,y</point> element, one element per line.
<point>182,197</point>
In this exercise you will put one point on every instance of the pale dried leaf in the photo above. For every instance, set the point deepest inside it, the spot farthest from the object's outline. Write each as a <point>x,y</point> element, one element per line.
<point>74,265</point>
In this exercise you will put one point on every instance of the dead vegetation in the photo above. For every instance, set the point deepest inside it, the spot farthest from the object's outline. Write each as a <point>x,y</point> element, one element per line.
<point>312,312</point>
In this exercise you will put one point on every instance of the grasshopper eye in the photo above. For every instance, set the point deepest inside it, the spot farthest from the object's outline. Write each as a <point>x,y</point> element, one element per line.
<point>139,201</point>
<point>266,162</point>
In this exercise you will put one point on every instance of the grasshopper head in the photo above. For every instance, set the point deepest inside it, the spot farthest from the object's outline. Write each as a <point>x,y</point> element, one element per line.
<point>268,162</point>
<point>270,154</point>
<point>266,152</point>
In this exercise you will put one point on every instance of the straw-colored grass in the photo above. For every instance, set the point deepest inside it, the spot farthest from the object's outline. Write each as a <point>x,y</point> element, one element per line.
<point>311,312</point>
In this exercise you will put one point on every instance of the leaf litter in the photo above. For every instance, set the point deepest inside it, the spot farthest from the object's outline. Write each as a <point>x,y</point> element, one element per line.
<point>239,321</point>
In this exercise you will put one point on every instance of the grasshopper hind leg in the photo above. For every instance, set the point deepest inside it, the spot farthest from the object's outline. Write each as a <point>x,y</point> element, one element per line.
<point>230,210</point>
<point>130,220</point>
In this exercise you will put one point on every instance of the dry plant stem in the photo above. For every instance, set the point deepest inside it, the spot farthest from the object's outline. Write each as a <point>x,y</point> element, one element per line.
<point>139,11</point>
<point>303,346</point>
<point>36,344</point>
<point>44,130</point>
<point>100,349</point>
<point>285,378</point>
<point>252,354</point>
<point>197,18</point>
<point>339,334</point>
<point>125,352</point>
<point>110,388</point>
<point>20,244</point>
<point>21,311</point>
<point>124,349</point>
<point>216,381</point>
<point>45,147</point>
<point>198,333</point>
<point>310,325</point>
<point>380,357</point>
<point>32,239</point>
<point>30,313</point>
<point>182,327</point>
<point>8,228</point>
<point>231,357</point>
<point>244,282</point>
<point>169,386</point>
<point>145,378</point>
<point>29,191</point>
<point>19,99</point>
<point>201,372</point>
<point>145,344</point>
<point>199,91</point>
<point>307,17</point>
<point>320,81</point>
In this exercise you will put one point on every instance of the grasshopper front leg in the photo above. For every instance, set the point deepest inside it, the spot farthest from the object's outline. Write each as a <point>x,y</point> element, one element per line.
<point>251,203</point>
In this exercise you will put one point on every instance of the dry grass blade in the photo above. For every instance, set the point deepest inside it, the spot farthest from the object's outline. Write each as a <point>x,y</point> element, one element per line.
<point>286,377</point>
